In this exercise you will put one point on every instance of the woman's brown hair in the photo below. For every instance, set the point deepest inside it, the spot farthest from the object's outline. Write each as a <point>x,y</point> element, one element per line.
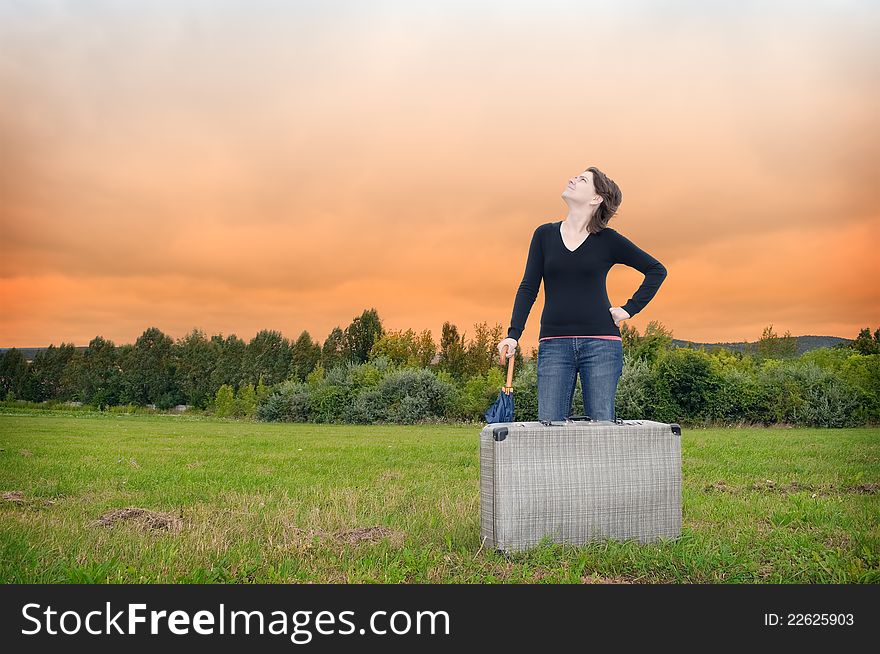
<point>611,199</point>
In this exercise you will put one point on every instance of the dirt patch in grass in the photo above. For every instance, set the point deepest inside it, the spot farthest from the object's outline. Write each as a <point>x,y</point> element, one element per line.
<point>25,452</point>
<point>355,536</point>
<point>768,485</point>
<point>721,487</point>
<point>771,486</point>
<point>150,520</point>
<point>18,498</point>
<point>305,536</point>
<point>784,489</point>
<point>593,578</point>
<point>840,540</point>
<point>369,534</point>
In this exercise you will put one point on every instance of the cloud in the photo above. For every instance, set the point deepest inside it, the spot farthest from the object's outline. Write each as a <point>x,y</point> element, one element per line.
<point>315,148</point>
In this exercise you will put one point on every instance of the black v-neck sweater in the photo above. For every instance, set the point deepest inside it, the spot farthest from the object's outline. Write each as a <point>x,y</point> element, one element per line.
<point>575,298</point>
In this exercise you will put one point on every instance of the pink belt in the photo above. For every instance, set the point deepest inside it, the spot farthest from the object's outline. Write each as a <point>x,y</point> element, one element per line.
<point>611,338</point>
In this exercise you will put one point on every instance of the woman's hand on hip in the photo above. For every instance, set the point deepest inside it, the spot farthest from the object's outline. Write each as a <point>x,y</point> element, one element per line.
<point>618,314</point>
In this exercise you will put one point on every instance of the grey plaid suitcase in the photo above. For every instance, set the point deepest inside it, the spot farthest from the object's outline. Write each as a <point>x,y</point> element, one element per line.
<point>575,481</point>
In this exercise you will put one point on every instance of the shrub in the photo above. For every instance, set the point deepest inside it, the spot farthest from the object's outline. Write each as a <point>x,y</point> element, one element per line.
<point>863,372</point>
<point>633,400</point>
<point>736,393</point>
<point>366,408</point>
<point>455,409</point>
<point>684,383</point>
<point>245,404</point>
<point>224,401</point>
<point>328,403</point>
<point>525,391</point>
<point>287,402</point>
<point>827,400</point>
<point>412,395</point>
<point>480,391</point>
<point>167,400</point>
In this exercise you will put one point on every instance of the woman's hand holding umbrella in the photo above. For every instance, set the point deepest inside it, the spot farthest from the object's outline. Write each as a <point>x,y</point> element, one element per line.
<point>502,410</point>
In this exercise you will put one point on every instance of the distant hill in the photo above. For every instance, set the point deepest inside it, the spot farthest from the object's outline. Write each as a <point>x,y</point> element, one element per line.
<point>804,344</point>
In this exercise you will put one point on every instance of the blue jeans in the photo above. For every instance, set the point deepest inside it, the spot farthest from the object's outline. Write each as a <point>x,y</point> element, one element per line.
<point>600,363</point>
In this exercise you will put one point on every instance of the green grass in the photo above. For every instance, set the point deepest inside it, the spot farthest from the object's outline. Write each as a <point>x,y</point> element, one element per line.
<point>270,503</point>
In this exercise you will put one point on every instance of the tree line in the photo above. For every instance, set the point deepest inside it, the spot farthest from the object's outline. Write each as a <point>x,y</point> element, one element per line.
<point>367,374</point>
<point>159,370</point>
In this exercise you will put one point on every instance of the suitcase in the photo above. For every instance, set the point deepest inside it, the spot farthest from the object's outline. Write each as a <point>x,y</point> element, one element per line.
<point>579,480</point>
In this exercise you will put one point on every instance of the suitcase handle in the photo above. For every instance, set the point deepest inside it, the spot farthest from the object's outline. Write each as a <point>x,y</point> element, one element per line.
<point>568,420</point>
<point>572,419</point>
<point>618,421</point>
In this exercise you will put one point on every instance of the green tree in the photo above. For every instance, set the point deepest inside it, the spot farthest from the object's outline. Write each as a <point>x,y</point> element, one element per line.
<point>52,374</point>
<point>335,350</point>
<point>268,354</point>
<point>304,356</point>
<point>771,346</point>
<point>865,344</point>
<point>196,357</point>
<point>148,371</point>
<point>427,348</point>
<point>648,347</point>
<point>99,378</point>
<point>362,334</point>
<point>14,372</point>
<point>224,401</point>
<point>453,358</point>
<point>401,347</point>
<point>229,368</point>
<point>245,404</point>
<point>482,351</point>
<point>316,377</point>
<point>262,391</point>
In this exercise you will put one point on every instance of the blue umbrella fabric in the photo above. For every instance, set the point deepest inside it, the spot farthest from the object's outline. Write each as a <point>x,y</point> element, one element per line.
<point>502,409</point>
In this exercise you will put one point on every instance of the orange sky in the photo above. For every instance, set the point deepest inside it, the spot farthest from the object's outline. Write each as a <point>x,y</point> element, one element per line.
<point>239,166</point>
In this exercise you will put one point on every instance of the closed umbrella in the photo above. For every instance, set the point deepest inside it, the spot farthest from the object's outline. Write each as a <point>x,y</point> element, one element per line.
<point>502,409</point>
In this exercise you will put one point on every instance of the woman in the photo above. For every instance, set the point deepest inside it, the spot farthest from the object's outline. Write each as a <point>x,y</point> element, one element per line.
<point>579,327</point>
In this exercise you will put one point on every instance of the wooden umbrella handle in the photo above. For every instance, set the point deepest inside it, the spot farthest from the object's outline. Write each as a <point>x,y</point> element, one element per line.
<point>508,389</point>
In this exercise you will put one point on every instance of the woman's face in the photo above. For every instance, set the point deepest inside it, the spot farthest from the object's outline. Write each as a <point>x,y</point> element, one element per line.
<point>580,189</point>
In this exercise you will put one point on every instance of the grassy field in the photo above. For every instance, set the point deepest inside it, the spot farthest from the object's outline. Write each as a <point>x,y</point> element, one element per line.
<point>230,501</point>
